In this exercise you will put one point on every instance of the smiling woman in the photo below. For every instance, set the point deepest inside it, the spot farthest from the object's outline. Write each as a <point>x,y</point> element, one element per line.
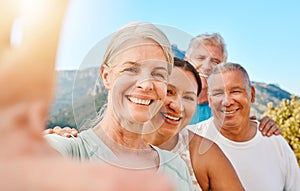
<point>26,82</point>
<point>135,70</point>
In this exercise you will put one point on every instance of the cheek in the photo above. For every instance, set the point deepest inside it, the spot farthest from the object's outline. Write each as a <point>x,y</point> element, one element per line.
<point>213,103</point>
<point>161,90</point>
<point>189,109</point>
<point>123,82</point>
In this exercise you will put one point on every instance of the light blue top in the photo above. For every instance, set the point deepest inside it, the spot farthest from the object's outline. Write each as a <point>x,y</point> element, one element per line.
<point>88,146</point>
<point>202,113</point>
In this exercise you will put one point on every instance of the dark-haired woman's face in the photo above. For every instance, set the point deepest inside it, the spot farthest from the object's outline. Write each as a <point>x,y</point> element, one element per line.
<point>180,103</point>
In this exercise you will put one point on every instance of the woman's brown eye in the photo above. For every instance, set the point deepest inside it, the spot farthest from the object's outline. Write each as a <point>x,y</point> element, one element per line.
<point>170,92</point>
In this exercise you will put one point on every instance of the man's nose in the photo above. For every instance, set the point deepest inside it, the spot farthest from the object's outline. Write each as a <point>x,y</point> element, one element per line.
<point>227,99</point>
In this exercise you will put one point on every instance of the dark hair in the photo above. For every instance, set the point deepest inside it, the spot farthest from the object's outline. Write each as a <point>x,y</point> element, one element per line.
<point>188,67</point>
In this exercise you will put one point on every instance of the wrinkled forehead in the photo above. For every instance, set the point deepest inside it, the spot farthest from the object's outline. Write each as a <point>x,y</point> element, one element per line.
<point>142,51</point>
<point>226,79</point>
<point>138,50</point>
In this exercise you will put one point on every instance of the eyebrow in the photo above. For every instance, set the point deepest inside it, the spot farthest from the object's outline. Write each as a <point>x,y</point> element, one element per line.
<point>191,92</point>
<point>131,63</point>
<point>172,86</point>
<point>186,92</point>
<point>217,60</point>
<point>161,68</point>
<point>139,64</point>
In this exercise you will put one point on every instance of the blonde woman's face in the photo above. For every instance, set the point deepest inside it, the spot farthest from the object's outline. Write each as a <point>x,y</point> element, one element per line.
<point>138,83</point>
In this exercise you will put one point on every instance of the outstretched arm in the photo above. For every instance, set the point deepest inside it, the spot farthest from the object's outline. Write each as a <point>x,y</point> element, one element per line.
<point>207,161</point>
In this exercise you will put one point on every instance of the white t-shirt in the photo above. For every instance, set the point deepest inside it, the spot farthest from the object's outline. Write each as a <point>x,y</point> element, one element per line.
<point>262,163</point>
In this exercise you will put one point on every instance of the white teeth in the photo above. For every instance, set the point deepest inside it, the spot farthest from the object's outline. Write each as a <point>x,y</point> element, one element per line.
<point>139,101</point>
<point>229,112</point>
<point>171,117</point>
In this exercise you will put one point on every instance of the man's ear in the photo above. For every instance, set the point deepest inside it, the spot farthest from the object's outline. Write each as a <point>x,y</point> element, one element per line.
<point>252,94</point>
<point>209,100</point>
<point>105,75</point>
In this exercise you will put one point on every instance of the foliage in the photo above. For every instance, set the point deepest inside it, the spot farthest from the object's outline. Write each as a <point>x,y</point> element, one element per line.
<point>287,117</point>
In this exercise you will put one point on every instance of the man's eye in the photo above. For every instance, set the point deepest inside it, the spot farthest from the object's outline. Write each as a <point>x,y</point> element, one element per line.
<point>215,63</point>
<point>236,91</point>
<point>201,58</point>
<point>217,94</point>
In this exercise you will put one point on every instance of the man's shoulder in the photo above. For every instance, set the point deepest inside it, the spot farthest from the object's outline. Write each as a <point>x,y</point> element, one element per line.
<point>201,127</point>
<point>278,141</point>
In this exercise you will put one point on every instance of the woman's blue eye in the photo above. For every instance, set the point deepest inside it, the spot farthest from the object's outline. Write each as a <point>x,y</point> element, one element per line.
<point>131,69</point>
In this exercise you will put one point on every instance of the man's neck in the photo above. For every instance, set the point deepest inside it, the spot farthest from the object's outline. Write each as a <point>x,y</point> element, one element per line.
<point>241,133</point>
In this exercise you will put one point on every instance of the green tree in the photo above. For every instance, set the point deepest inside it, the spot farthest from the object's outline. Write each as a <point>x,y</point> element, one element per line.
<point>287,117</point>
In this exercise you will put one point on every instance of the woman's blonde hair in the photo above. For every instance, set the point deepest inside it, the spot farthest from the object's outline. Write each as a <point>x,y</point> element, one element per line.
<point>129,35</point>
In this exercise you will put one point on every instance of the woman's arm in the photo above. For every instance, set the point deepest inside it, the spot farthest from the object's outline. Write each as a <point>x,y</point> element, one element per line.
<point>211,167</point>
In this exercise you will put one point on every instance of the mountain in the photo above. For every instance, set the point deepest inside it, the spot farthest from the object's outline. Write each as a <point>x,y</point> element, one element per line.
<point>266,93</point>
<point>80,95</point>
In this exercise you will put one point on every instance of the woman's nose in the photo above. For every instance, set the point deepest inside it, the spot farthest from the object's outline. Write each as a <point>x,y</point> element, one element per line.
<point>176,105</point>
<point>145,84</point>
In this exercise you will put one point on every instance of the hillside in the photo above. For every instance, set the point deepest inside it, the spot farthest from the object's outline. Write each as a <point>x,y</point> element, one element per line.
<point>84,90</point>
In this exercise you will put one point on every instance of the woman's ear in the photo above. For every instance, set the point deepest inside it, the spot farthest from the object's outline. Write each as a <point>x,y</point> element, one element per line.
<point>105,75</point>
<point>252,94</point>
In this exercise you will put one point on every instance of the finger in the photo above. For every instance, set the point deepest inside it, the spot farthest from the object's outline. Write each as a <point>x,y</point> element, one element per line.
<point>263,124</point>
<point>278,131</point>
<point>66,130</point>
<point>47,131</point>
<point>66,134</point>
<point>272,129</point>
<point>74,133</point>
<point>58,130</point>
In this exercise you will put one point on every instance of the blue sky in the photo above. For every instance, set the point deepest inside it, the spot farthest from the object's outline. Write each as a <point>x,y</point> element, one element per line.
<point>263,36</point>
